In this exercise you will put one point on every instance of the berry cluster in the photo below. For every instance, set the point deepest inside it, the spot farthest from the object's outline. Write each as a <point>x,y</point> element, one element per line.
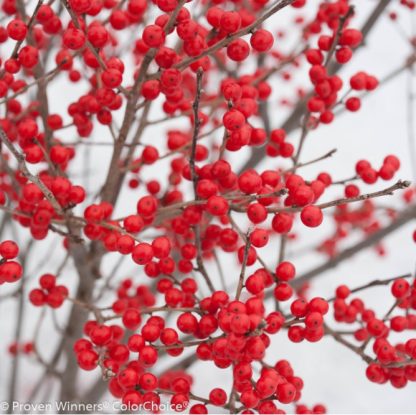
<point>392,362</point>
<point>312,313</point>
<point>10,271</point>
<point>49,292</point>
<point>36,212</point>
<point>25,348</point>
<point>245,338</point>
<point>191,204</point>
<point>386,172</point>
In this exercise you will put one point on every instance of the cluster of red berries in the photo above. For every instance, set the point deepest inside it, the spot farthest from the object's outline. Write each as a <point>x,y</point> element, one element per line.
<point>10,271</point>
<point>369,175</point>
<point>99,226</point>
<point>49,293</point>
<point>25,348</point>
<point>411,4</point>
<point>360,82</point>
<point>27,57</point>
<point>278,381</point>
<point>392,362</point>
<point>137,387</point>
<point>102,101</point>
<point>364,217</point>
<point>310,313</point>
<point>36,212</point>
<point>156,257</point>
<point>243,96</point>
<point>127,339</point>
<point>245,327</point>
<point>327,87</point>
<point>129,296</point>
<point>278,146</point>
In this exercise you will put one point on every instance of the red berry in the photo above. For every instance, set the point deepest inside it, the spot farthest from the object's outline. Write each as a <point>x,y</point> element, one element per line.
<point>282,223</point>
<point>131,319</point>
<point>261,40</point>
<point>153,36</point>
<point>285,271</point>
<point>230,21</point>
<point>283,291</point>
<point>350,37</point>
<point>74,38</point>
<point>10,271</point>
<point>259,238</point>
<point>353,104</point>
<point>233,120</point>
<point>400,288</point>
<point>87,359</point>
<point>218,396</point>
<point>286,393</point>
<point>311,216</point>
<point>16,29</point>
<point>238,50</point>
<point>9,249</point>
<point>217,206</point>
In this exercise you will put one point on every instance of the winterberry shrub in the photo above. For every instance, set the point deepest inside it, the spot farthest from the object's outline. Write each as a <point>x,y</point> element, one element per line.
<point>141,159</point>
